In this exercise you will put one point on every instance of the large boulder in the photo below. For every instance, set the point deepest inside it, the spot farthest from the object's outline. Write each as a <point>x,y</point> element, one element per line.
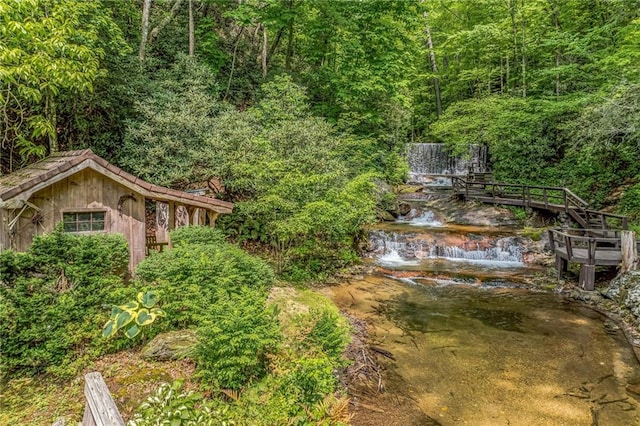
<point>170,345</point>
<point>625,292</point>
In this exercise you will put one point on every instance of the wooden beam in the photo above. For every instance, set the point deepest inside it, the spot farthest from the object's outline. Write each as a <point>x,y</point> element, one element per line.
<point>629,248</point>
<point>587,277</point>
<point>100,409</point>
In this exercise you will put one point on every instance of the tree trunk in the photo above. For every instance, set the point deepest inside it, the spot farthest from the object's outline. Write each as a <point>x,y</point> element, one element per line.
<point>174,9</point>
<point>192,31</point>
<point>434,66</point>
<point>629,251</point>
<point>556,24</point>
<point>144,32</point>
<point>264,50</point>
<point>233,63</point>
<point>513,10</point>
<point>524,56</point>
<point>289,56</point>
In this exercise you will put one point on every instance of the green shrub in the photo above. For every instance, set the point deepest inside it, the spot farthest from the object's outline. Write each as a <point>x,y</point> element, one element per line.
<point>236,335</point>
<point>313,378</point>
<point>191,278</point>
<point>630,202</point>
<point>51,301</point>
<point>327,335</point>
<point>197,235</point>
<point>169,406</point>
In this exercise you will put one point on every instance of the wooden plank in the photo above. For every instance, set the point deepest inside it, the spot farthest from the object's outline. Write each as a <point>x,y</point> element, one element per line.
<point>100,405</point>
<point>629,251</point>
<point>587,277</point>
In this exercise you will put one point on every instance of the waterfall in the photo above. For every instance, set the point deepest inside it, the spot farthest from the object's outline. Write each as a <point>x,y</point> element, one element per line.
<point>427,219</point>
<point>434,159</point>
<point>393,247</point>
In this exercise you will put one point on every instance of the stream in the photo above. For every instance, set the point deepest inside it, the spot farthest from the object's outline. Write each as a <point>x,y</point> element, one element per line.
<point>474,342</point>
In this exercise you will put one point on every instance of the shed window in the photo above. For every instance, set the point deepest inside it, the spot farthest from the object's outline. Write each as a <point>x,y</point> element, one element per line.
<point>83,221</point>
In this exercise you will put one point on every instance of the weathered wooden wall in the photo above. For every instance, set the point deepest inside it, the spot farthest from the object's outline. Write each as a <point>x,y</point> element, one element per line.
<point>86,189</point>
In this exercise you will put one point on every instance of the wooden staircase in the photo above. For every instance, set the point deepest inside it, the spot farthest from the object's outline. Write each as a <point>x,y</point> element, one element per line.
<point>599,241</point>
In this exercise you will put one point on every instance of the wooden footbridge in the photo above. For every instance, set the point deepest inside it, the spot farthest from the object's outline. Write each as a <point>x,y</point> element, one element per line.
<point>600,240</point>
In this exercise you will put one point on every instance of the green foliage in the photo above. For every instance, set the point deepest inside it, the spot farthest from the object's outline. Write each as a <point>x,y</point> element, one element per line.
<point>167,145</point>
<point>295,192</point>
<point>191,278</point>
<point>534,233</point>
<point>327,335</point>
<point>52,50</point>
<point>520,136</point>
<point>630,203</point>
<point>606,152</point>
<point>236,336</point>
<point>51,298</point>
<point>197,235</point>
<point>169,406</point>
<point>134,315</point>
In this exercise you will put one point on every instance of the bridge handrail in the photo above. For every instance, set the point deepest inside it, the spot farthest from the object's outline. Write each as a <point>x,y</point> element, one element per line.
<point>549,195</point>
<point>576,198</point>
<point>590,232</point>
<point>587,238</point>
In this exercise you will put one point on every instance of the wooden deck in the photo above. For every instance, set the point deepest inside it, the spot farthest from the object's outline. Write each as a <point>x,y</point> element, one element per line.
<point>549,198</point>
<point>597,243</point>
<point>602,257</point>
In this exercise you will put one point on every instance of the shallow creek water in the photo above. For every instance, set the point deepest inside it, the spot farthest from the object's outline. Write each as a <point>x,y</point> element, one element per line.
<point>472,346</point>
<point>491,356</point>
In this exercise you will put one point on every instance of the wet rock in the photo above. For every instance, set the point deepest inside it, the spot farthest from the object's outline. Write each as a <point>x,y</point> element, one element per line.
<point>384,215</point>
<point>624,292</point>
<point>170,345</point>
<point>403,209</point>
<point>634,390</point>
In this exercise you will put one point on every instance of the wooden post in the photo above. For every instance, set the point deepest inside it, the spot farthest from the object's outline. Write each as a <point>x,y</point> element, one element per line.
<point>629,251</point>
<point>100,409</point>
<point>561,266</point>
<point>587,277</point>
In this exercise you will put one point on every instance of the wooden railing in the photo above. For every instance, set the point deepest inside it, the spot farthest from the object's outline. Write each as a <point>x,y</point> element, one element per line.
<point>593,247</point>
<point>590,246</point>
<point>608,220</point>
<point>550,198</point>
<point>100,409</point>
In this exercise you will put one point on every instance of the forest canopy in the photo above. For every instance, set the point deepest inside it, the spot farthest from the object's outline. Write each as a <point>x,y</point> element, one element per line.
<point>291,101</point>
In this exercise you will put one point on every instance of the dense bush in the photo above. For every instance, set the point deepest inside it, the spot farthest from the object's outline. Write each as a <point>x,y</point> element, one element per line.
<point>301,189</point>
<point>197,235</point>
<point>52,301</point>
<point>192,278</point>
<point>236,335</point>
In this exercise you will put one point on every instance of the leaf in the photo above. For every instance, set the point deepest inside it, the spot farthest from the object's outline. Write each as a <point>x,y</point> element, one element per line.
<point>130,306</point>
<point>109,329</point>
<point>144,317</point>
<point>122,319</point>
<point>114,312</point>
<point>132,331</point>
<point>148,299</point>
<point>158,312</point>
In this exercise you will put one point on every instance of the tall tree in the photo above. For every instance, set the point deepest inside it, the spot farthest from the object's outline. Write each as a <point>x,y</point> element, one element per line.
<point>52,51</point>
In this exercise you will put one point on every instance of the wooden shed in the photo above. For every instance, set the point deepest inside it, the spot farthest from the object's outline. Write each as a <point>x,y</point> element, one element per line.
<point>89,195</point>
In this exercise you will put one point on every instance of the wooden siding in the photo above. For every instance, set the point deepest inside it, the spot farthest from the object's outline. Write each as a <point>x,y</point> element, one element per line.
<point>87,189</point>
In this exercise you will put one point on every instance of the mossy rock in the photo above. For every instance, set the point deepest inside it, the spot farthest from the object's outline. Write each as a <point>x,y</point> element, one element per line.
<point>384,215</point>
<point>170,345</point>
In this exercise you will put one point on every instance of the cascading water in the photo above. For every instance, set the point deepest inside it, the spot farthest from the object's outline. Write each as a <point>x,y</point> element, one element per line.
<point>434,159</point>
<point>406,248</point>
<point>470,346</point>
<point>427,218</point>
